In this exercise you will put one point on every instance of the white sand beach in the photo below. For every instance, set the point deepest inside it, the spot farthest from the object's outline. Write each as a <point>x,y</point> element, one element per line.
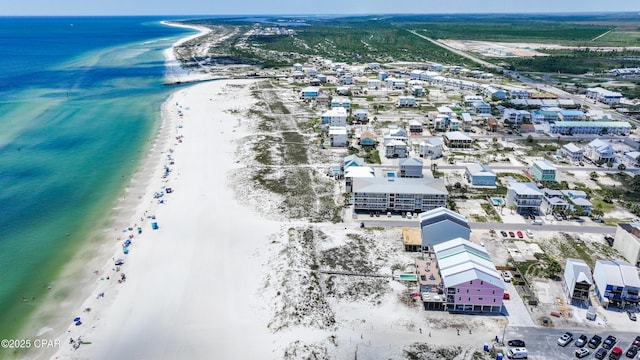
<point>175,73</point>
<point>190,288</point>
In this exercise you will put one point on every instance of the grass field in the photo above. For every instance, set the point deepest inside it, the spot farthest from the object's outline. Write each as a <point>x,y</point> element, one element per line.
<point>386,39</point>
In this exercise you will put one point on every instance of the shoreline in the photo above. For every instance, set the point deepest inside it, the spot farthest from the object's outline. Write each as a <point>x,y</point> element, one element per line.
<point>175,73</point>
<point>197,236</point>
<point>78,279</point>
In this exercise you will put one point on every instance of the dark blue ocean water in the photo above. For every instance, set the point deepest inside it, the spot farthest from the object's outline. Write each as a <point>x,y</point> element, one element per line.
<point>79,99</point>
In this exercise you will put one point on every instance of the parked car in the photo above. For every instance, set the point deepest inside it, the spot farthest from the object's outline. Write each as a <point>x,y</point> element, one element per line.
<point>506,296</point>
<point>503,233</point>
<point>512,234</point>
<point>565,339</point>
<point>581,341</point>
<point>516,343</point>
<point>636,343</point>
<point>601,353</point>
<point>631,315</point>
<point>616,353</point>
<point>506,276</point>
<point>609,342</point>
<point>558,217</point>
<point>631,352</point>
<point>582,352</point>
<point>595,341</point>
<point>519,233</point>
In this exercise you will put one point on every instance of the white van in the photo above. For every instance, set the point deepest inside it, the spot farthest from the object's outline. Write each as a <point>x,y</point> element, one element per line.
<point>536,222</point>
<point>517,353</point>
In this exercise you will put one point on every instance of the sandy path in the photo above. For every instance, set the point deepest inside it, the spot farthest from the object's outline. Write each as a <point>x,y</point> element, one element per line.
<point>191,289</point>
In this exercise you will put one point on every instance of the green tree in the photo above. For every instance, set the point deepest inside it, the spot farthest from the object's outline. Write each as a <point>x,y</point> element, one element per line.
<point>622,167</point>
<point>610,164</point>
<point>553,268</point>
<point>529,139</point>
<point>593,175</point>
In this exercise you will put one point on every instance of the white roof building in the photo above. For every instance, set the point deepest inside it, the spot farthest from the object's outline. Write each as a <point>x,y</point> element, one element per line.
<point>577,281</point>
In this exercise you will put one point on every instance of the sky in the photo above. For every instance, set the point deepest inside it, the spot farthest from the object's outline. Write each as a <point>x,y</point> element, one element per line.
<point>304,7</point>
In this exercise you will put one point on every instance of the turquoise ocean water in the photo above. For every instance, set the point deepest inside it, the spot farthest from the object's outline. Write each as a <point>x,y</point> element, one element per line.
<point>79,98</point>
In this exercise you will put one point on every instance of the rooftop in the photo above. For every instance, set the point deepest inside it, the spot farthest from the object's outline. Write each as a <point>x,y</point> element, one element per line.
<point>399,186</point>
<point>411,236</point>
<point>478,169</point>
<point>571,147</point>
<point>457,135</point>
<point>544,165</point>
<point>522,188</point>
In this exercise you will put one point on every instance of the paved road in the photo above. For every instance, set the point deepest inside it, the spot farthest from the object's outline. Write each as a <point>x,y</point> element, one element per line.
<point>569,227</point>
<point>461,53</point>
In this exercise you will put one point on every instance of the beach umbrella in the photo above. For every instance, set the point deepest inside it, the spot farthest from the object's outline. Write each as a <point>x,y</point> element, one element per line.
<point>127,242</point>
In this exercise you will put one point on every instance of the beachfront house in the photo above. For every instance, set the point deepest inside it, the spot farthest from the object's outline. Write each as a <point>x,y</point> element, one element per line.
<point>352,160</point>
<point>341,102</point>
<point>322,99</point>
<point>336,116</point>
<point>542,170</point>
<point>553,201</point>
<point>469,277</point>
<point>572,152</point>
<point>493,92</point>
<point>398,194</point>
<point>396,149</point>
<point>406,101</point>
<point>309,92</point>
<point>480,175</point>
<point>360,115</point>
<point>481,107</point>
<point>616,283</point>
<point>338,136</point>
<point>524,197</point>
<point>577,282</point>
<point>411,239</point>
<point>578,198</point>
<point>544,116</point>
<point>457,140</point>
<point>367,139</point>
<point>410,168</point>
<point>415,127</point>
<point>440,225</point>
<point>515,116</point>
<point>431,148</point>
<point>470,99</point>
<point>395,84</point>
<point>600,151</point>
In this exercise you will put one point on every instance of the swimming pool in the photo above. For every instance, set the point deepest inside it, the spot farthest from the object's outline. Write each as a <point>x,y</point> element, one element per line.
<point>408,277</point>
<point>497,201</point>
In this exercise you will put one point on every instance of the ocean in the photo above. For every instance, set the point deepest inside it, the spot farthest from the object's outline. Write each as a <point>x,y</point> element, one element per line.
<point>79,98</point>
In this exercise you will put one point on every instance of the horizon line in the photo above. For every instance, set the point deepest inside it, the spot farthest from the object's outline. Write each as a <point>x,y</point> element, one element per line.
<point>332,15</point>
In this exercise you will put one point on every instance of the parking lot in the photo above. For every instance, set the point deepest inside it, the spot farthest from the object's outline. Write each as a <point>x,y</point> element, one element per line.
<point>541,343</point>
